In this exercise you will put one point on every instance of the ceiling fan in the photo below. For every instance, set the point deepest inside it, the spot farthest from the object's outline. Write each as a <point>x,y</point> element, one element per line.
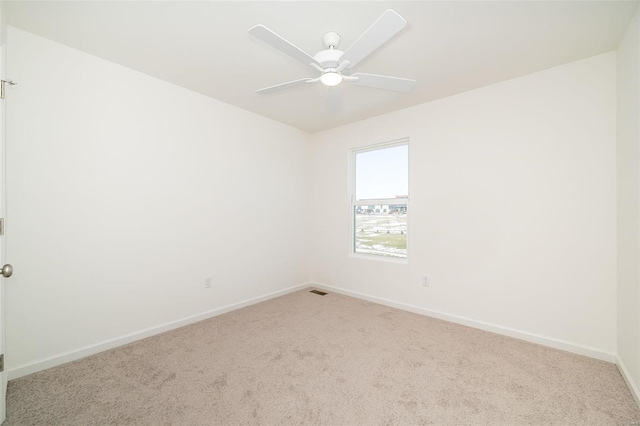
<point>335,65</point>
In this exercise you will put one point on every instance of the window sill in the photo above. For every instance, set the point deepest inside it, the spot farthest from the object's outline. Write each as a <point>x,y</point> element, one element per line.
<point>379,258</point>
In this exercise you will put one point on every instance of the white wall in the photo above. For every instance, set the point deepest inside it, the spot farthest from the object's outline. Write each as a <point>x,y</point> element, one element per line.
<point>513,207</point>
<point>125,192</point>
<point>628,167</point>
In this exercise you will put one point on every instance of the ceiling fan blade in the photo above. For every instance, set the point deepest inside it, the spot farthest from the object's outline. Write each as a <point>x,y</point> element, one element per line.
<point>278,87</point>
<point>277,41</point>
<point>385,27</point>
<point>384,82</point>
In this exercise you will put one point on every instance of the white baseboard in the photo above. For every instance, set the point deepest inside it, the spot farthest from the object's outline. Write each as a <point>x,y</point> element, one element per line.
<point>63,358</point>
<point>505,331</point>
<point>633,387</point>
<point>66,357</point>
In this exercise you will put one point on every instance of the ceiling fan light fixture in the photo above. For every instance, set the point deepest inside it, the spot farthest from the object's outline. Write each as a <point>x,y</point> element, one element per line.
<point>331,78</point>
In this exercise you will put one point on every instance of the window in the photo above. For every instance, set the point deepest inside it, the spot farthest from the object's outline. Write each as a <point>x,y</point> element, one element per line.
<point>380,199</point>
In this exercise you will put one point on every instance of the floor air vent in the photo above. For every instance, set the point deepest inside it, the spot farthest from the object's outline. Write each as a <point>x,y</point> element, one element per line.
<point>321,293</point>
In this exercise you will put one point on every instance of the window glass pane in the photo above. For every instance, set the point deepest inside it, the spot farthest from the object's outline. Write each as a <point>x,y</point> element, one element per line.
<point>383,173</point>
<point>381,230</point>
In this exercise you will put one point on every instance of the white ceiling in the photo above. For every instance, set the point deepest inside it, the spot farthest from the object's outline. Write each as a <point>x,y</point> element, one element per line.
<point>448,46</point>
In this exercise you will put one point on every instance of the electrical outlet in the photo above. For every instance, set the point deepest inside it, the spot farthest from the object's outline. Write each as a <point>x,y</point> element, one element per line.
<point>208,282</point>
<point>425,281</point>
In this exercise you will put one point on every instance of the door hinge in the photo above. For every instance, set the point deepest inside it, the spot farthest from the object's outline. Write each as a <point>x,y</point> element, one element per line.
<point>1,225</point>
<point>1,363</point>
<point>2,88</point>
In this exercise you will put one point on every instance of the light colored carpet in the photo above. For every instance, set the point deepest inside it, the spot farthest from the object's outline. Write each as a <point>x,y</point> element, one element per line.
<point>333,360</point>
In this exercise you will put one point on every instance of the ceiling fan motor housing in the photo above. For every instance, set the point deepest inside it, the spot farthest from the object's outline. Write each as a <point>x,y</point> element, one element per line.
<point>328,58</point>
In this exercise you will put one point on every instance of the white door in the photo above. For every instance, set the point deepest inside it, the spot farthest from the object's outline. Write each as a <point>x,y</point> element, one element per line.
<point>3,374</point>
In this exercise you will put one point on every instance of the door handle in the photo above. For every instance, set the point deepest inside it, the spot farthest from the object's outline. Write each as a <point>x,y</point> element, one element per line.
<point>7,270</point>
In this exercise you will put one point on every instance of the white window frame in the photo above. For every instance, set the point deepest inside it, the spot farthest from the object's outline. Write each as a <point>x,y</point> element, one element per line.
<point>353,203</point>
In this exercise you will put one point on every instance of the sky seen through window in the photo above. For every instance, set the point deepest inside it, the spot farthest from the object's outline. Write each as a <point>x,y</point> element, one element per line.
<point>383,173</point>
